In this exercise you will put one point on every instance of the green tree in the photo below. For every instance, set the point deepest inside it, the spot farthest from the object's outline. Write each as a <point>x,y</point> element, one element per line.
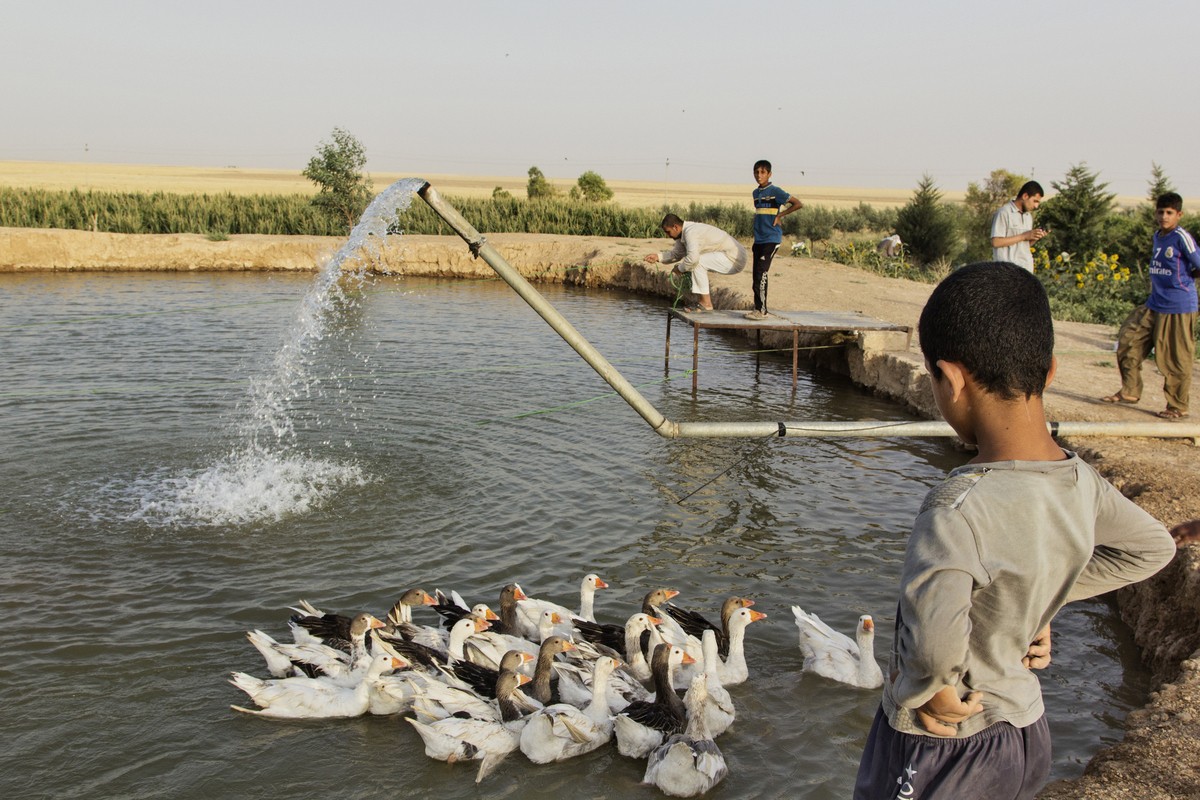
<point>538,186</point>
<point>1075,216</point>
<point>343,191</point>
<point>981,203</point>
<point>1159,184</point>
<point>500,193</point>
<point>926,225</point>
<point>593,188</point>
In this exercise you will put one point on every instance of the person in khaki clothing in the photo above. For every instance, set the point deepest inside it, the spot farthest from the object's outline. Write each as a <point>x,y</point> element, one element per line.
<point>1166,322</point>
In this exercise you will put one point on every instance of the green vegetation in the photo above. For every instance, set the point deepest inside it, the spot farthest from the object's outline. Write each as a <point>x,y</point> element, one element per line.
<point>592,188</point>
<point>229,214</point>
<point>538,186</point>
<point>1075,216</point>
<point>926,225</point>
<point>343,191</point>
<point>159,212</point>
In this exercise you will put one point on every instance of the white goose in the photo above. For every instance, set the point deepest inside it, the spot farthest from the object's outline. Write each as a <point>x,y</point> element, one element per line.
<point>466,738</point>
<point>717,707</point>
<point>734,669</point>
<point>311,698</point>
<point>562,731</point>
<point>492,646</point>
<point>834,655</point>
<point>688,764</point>
<point>431,659</point>
<point>530,609</point>
<point>314,657</point>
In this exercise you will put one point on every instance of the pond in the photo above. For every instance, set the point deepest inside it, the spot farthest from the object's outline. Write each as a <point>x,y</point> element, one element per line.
<point>188,455</point>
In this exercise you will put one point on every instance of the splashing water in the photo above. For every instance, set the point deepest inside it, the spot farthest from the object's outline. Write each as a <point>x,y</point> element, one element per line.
<point>268,476</point>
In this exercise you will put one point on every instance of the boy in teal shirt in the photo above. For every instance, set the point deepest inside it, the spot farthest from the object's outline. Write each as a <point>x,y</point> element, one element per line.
<point>771,204</point>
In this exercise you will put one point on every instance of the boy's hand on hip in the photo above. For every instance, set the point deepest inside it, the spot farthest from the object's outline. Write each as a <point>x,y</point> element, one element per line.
<point>1038,655</point>
<point>942,713</point>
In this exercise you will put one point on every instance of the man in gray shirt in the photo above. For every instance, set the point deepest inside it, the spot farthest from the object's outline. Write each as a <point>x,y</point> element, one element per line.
<point>1012,227</point>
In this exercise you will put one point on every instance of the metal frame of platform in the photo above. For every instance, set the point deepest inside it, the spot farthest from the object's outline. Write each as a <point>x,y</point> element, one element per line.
<point>796,322</point>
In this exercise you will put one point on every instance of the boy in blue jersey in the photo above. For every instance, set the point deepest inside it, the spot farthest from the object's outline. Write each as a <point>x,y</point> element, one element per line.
<point>771,204</point>
<point>1166,322</point>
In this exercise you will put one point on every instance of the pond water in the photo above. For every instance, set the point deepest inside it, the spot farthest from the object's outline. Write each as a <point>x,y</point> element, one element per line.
<point>179,470</point>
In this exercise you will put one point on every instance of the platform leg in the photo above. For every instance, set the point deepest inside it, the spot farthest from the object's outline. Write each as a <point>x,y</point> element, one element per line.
<point>795,356</point>
<point>695,356</point>
<point>667,352</point>
<point>757,350</point>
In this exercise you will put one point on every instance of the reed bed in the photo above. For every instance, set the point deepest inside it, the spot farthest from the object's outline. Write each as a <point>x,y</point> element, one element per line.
<point>226,214</point>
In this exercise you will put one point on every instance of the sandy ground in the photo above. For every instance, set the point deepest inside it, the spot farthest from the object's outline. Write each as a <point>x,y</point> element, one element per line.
<point>1160,754</point>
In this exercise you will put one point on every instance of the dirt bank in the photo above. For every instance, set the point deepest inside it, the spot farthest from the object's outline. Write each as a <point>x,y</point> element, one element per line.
<point>1159,756</point>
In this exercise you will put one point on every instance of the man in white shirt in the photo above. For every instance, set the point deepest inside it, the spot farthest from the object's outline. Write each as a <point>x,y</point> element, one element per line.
<point>700,249</point>
<point>1012,227</point>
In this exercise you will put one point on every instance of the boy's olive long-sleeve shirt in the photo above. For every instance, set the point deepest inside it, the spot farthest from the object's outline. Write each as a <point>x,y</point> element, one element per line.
<point>996,550</point>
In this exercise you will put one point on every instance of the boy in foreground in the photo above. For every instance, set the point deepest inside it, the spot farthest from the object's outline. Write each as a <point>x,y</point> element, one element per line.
<point>996,550</point>
<point>1166,322</point>
<point>771,204</point>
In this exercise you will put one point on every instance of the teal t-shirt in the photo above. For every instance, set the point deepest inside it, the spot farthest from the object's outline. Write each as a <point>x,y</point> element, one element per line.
<point>767,202</point>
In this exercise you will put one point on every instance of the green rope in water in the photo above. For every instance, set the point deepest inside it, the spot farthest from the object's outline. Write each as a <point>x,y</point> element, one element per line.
<point>682,284</point>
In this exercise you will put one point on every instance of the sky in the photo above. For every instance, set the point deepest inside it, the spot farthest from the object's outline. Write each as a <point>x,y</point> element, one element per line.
<point>868,93</point>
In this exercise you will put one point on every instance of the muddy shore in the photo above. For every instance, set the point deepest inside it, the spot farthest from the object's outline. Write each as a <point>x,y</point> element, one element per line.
<point>1159,755</point>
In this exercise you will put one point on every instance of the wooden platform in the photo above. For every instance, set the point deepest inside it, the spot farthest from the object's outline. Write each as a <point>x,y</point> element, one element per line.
<point>797,322</point>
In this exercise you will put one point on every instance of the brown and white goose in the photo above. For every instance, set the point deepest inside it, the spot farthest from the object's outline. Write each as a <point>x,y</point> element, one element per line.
<point>644,725</point>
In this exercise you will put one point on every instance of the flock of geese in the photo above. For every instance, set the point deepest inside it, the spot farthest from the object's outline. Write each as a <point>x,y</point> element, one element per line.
<point>538,677</point>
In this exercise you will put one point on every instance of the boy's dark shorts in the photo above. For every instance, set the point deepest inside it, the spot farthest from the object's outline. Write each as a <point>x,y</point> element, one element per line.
<point>998,763</point>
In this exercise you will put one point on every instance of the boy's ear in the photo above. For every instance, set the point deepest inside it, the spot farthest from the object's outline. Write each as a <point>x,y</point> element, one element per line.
<point>955,375</point>
<point>1053,371</point>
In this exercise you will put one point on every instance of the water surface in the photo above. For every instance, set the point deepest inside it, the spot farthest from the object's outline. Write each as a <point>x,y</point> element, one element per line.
<point>170,485</point>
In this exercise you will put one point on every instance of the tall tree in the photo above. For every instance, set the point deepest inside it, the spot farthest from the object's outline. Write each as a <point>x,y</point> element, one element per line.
<point>343,191</point>
<point>538,186</point>
<point>926,225</point>
<point>1159,184</point>
<point>1075,215</point>
<point>592,188</point>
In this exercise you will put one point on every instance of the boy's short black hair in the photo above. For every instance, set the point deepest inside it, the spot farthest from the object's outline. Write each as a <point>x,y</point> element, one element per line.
<point>670,220</point>
<point>762,162</point>
<point>1169,200</point>
<point>1031,188</point>
<point>993,318</point>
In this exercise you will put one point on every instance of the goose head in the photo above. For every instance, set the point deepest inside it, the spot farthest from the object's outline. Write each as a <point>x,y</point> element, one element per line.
<point>657,597</point>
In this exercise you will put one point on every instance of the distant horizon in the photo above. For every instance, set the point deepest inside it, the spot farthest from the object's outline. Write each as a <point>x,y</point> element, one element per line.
<point>479,183</point>
<point>874,94</point>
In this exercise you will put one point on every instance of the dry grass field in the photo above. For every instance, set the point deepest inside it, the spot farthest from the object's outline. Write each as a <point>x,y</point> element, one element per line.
<point>237,180</point>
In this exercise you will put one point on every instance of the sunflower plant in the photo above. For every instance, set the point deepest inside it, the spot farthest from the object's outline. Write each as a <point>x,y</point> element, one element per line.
<point>1098,288</point>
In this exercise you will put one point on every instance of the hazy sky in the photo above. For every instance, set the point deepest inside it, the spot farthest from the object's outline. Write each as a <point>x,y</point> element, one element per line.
<point>865,93</point>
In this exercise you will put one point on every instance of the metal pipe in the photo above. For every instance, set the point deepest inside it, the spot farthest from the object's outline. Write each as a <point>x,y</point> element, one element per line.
<point>479,247</point>
<point>691,430</point>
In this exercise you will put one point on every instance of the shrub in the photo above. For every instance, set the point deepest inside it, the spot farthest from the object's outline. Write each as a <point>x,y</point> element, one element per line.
<point>593,188</point>
<point>538,186</point>
<point>927,226</point>
<point>1075,216</point>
